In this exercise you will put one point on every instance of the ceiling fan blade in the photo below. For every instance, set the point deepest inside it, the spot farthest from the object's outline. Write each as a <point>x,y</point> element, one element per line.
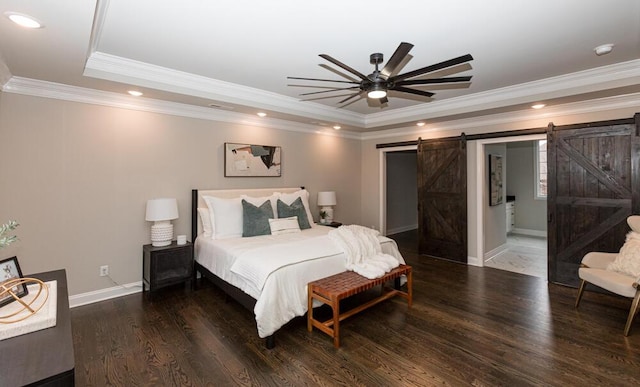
<point>338,72</point>
<point>354,95</point>
<point>344,66</point>
<point>314,86</point>
<point>330,91</point>
<point>437,66</point>
<point>413,91</point>
<point>397,57</point>
<point>322,80</point>
<point>431,81</point>
<point>323,97</point>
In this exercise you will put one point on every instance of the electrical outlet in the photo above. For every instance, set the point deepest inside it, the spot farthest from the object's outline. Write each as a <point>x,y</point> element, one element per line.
<point>104,271</point>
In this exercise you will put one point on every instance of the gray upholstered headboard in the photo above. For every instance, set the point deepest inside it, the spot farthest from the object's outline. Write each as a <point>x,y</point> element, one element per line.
<point>198,201</point>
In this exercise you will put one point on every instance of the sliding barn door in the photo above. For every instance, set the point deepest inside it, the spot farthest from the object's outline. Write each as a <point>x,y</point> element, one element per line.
<point>593,172</point>
<point>442,198</point>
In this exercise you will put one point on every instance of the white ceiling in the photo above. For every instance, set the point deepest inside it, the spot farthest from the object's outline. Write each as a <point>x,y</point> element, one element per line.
<point>237,54</point>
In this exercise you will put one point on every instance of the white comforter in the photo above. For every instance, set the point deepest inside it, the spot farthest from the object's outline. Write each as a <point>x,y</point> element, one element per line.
<point>281,294</point>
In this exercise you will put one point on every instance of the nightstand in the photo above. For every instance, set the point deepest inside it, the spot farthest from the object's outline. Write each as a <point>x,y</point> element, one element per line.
<point>167,265</point>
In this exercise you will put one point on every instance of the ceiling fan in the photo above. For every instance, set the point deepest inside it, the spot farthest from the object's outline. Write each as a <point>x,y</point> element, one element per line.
<point>377,84</point>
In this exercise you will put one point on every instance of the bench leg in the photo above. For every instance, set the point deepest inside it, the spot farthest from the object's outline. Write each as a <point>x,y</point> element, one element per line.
<point>335,305</point>
<point>410,287</point>
<point>309,311</point>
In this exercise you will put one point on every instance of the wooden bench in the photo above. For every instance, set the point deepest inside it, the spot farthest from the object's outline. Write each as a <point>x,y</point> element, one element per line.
<point>331,290</point>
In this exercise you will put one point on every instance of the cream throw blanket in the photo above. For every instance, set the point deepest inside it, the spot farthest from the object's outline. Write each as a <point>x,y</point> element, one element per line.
<point>362,251</point>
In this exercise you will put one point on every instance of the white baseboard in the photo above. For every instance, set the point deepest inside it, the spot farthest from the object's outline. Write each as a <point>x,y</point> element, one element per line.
<point>397,230</point>
<point>498,250</point>
<point>524,231</point>
<point>105,294</point>
<point>474,261</point>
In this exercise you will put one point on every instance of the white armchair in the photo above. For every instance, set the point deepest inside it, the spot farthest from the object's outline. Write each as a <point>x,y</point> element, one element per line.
<point>594,270</point>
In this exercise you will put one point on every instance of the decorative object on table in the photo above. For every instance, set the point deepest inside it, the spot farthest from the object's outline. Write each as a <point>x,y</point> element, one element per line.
<point>181,240</point>
<point>327,200</point>
<point>11,289</point>
<point>6,240</point>
<point>162,211</point>
<point>26,306</point>
<point>495,180</point>
<point>252,160</point>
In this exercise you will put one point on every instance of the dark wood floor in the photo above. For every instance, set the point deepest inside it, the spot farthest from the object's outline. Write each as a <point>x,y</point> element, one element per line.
<point>468,326</point>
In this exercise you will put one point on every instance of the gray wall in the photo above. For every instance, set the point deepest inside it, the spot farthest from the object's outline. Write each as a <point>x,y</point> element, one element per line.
<point>77,177</point>
<point>402,191</point>
<point>531,213</point>
<point>495,222</point>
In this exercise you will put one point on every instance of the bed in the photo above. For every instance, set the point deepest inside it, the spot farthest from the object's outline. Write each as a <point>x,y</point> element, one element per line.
<point>267,274</point>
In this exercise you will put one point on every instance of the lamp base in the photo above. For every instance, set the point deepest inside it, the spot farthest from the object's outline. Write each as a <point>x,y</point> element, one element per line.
<point>328,210</point>
<point>161,234</point>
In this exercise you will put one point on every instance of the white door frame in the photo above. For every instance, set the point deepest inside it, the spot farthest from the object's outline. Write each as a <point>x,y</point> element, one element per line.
<point>481,183</point>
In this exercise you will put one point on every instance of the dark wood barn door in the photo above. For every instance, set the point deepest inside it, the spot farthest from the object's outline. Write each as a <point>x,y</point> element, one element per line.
<point>593,172</point>
<point>442,198</point>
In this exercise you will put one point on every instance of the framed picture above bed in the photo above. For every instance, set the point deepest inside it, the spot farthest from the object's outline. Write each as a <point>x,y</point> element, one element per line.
<point>249,160</point>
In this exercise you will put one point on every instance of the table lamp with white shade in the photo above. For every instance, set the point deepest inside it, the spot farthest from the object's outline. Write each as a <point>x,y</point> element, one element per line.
<point>162,211</point>
<point>327,200</point>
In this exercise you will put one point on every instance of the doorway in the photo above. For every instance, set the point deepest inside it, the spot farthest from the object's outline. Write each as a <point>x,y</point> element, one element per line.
<point>522,247</point>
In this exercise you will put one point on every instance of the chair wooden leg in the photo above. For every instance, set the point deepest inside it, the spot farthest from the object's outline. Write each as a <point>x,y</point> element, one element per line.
<point>580,291</point>
<point>632,313</point>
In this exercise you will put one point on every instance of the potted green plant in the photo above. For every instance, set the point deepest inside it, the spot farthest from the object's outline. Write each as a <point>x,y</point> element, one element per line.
<point>6,240</point>
<point>323,216</point>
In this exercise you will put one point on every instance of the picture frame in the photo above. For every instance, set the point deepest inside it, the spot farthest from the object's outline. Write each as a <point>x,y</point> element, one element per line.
<point>495,180</point>
<point>251,160</point>
<point>10,270</point>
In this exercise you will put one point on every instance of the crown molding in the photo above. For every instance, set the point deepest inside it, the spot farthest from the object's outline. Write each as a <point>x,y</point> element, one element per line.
<point>45,89</point>
<point>110,67</point>
<point>583,107</point>
<point>114,68</point>
<point>601,78</point>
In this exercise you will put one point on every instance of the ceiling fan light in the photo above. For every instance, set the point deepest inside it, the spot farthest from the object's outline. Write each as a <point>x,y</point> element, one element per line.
<point>377,92</point>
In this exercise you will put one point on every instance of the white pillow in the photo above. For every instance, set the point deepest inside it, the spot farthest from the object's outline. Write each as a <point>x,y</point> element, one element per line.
<point>273,198</point>
<point>284,225</point>
<point>205,220</point>
<point>304,194</point>
<point>226,217</point>
<point>628,260</point>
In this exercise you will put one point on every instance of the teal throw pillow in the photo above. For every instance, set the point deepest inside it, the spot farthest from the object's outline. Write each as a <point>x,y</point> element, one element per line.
<point>255,220</point>
<point>294,209</point>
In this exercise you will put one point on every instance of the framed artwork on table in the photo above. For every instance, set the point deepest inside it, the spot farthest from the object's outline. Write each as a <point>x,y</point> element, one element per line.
<point>495,180</point>
<point>248,160</point>
<point>10,271</point>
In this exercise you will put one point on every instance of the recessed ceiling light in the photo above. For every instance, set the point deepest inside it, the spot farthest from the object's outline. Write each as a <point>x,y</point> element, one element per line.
<point>262,114</point>
<point>135,93</point>
<point>538,106</point>
<point>337,127</point>
<point>603,49</point>
<point>23,20</point>
<point>420,123</point>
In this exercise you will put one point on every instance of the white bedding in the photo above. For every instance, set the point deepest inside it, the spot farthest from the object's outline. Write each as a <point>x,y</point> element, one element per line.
<point>282,294</point>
